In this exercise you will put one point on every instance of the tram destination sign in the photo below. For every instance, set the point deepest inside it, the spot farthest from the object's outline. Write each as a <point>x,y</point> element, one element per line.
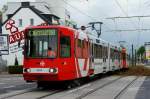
<point>42,32</point>
<point>4,46</point>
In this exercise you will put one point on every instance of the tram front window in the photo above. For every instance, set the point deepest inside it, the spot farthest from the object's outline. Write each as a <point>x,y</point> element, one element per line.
<point>41,43</point>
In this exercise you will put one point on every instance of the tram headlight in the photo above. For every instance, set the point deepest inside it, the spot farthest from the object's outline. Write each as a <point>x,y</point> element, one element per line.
<point>27,70</point>
<point>53,70</point>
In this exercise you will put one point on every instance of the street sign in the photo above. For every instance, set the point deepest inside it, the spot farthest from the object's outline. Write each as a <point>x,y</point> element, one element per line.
<point>4,45</point>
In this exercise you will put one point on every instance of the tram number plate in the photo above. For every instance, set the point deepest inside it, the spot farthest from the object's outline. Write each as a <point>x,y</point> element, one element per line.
<point>40,70</point>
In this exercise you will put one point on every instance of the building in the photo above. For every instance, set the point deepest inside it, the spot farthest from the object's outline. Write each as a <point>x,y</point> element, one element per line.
<point>147,52</point>
<point>59,8</point>
<point>17,17</point>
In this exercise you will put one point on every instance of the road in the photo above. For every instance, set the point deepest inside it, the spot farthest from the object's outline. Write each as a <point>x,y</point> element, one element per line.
<point>11,83</point>
<point>111,87</point>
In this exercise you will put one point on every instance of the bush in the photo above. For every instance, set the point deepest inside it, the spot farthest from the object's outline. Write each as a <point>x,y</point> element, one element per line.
<point>15,69</point>
<point>136,71</point>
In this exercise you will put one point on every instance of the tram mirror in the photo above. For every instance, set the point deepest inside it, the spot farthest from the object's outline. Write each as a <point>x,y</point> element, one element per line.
<point>83,28</point>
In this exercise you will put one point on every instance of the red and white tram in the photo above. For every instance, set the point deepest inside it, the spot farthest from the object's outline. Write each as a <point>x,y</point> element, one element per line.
<point>60,53</point>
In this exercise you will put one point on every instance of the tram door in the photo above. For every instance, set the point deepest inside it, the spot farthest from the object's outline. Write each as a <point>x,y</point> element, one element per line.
<point>91,55</point>
<point>104,48</point>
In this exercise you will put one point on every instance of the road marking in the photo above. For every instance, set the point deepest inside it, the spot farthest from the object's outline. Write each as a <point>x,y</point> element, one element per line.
<point>9,87</point>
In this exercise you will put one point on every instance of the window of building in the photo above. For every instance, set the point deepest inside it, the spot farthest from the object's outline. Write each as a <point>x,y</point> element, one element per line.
<point>20,22</point>
<point>32,21</point>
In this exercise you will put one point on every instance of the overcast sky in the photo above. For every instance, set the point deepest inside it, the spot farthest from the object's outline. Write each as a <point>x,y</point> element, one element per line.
<point>102,9</point>
<point>84,11</point>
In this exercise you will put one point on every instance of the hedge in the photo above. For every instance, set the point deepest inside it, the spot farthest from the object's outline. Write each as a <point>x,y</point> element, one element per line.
<point>15,69</point>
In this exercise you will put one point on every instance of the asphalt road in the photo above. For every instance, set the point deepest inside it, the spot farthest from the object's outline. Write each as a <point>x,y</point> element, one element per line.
<point>10,83</point>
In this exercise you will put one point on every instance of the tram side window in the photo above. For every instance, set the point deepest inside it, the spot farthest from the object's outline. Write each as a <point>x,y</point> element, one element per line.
<point>124,56</point>
<point>106,52</point>
<point>103,52</point>
<point>80,48</point>
<point>100,51</point>
<point>79,43</point>
<point>95,51</point>
<point>119,56</point>
<point>112,54</point>
<point>65,47</point>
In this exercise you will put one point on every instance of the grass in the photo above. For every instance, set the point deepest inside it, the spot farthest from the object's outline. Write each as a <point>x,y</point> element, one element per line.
<point>135,71</point>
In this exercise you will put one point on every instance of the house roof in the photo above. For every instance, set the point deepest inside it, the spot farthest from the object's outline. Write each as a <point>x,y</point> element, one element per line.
<point>13,6</point>
<point>37,12</point>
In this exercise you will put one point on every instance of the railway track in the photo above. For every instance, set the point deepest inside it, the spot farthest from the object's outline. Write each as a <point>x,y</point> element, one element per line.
<point>118,96</point>
<point>31,94</point>
<point>8,95</point>
<point>35,93</point>
<point>100,87</point>
<point>63,94</point>
<point>55,92</point>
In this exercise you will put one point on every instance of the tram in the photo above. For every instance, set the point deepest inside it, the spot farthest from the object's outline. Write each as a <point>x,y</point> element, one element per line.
<point>59,53</point>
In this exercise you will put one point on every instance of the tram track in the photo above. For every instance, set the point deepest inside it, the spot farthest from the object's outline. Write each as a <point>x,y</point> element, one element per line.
<point>55,92</point>
<point>32,91</point>
<point>100,87</point>
<point>107,84</point>
<point>8,95</point>
<point>118,96</point>
<point>32,94</point>
<point>35,93</point>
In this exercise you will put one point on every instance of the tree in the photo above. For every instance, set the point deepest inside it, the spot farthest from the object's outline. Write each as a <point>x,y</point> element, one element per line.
<point>141,52</point>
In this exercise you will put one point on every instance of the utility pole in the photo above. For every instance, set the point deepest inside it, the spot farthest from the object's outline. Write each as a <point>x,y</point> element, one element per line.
<point>135,58</point>
<point>132,56</point>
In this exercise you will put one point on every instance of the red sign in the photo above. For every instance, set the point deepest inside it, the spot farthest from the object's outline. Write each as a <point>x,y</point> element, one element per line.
<point>15,35</point>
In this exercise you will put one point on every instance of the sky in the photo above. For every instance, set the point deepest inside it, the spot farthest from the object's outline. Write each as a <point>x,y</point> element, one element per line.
<point>85,11</point>
<point>100,10</point>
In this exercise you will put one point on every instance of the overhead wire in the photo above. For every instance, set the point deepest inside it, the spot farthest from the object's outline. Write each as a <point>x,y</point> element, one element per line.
<point>83,13</point>
<point>123,11</point>
<point>126,14</point>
